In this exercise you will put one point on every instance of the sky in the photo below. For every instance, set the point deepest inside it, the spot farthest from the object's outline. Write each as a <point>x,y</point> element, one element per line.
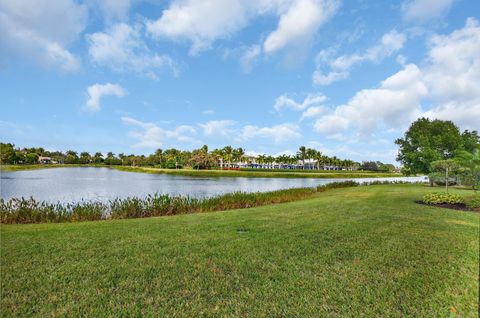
<point>131,76</point>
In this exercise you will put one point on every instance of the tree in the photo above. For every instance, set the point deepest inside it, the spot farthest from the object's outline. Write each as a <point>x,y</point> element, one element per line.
<point>471,140</point>
<point>85,158</point>
<point>469,163</point>
<point>302,155</point>
<point>427,141</point>
<point>98,157</point>
<point>369,165</point>
<point>201,159</point>
<point>447,166</point>
<point>71,157</point>
<point>7,154</point>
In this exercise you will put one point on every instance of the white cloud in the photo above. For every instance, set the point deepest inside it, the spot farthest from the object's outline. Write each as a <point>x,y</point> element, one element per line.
<point>113,10</point>
<point>299,23</point>
<point>121,49</point>
<point>40,30</point>
<point>223,128</point>
<point>422,11</point>
<point>338,68</point>
<point>200,23</point>
<point>453,75</point>
<point>312,112</point>
<point>97,91</point>
<point>277,133</point>
<point>152,136</point>
<point>284,102</point>
<point>249,57</point>
<point>448,82</point>
<point>208,112</point>
<point>394,103</point>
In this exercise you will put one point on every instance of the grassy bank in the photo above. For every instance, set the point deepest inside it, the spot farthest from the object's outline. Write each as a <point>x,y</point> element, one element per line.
<point>362,251</point>
<point>22,211</point>
<point>250,173</point>
<point>43,166</point>
<point>260,173</point>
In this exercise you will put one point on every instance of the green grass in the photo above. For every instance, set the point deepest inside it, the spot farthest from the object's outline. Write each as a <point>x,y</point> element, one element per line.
<point>363,251</point>
<point>260,173</point>
<point>23,211</point>
<point>43,166</point>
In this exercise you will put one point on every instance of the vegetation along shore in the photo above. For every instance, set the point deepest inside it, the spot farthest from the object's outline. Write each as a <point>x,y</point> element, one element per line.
<point>371,251</point>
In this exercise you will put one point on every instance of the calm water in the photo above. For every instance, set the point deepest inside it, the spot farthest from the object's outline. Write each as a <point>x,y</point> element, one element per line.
<point>102,184</point>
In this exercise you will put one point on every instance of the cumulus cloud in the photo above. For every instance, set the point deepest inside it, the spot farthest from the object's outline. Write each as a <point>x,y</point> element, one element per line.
<point>448,82</point>
<point>249,57</point>
<point>223,128</point>
<point>199,23</point>
<point>453,75</point>
<point>97,91</point>
<point>422,11</point>
<point>30,29</point>
<point>231,129</point>
<point>299,23</point>
<point>150,135</point>
<point>284,102</point>
<point>338,68</point>
<point>122,49</point>
<point>395,102</point>
<point>113,10</point>
<point>277,133</point>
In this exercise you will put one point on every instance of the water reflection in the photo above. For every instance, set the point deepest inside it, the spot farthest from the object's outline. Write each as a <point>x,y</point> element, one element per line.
<point>103,184</point>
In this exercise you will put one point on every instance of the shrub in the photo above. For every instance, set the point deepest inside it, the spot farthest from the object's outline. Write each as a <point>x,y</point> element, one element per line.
<point>442,198</point>
<point>473,202</point>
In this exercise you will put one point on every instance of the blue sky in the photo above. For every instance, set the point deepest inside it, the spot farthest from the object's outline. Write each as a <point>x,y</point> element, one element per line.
<point>345,77</point>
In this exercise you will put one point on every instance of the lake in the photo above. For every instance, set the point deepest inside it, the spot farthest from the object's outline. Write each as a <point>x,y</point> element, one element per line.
<point>103,184</point>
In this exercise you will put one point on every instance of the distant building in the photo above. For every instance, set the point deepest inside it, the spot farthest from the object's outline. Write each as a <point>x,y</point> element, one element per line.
<point>45,160</point>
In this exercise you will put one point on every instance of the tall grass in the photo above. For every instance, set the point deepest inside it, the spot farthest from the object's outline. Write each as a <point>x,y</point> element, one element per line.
<point>20,211</point>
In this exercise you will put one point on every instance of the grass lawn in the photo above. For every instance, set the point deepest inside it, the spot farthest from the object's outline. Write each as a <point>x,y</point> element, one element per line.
<point>367,251</point>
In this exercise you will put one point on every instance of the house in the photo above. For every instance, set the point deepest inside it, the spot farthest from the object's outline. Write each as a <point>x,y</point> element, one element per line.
<point>45,160</point>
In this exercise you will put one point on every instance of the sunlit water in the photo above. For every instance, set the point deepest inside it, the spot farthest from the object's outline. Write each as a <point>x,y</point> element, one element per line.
<point>103,184</point>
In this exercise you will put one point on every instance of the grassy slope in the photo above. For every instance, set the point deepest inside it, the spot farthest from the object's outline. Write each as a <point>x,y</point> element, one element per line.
<point>366,250</point>
<point>260,173</point>
<point>219,173</point>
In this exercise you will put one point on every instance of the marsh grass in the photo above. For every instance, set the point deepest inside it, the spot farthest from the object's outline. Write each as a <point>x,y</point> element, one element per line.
<point>28,210</point>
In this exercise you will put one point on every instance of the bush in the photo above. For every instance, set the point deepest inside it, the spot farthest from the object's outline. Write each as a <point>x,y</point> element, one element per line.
<point>473,202</point>
<point>442,198</point>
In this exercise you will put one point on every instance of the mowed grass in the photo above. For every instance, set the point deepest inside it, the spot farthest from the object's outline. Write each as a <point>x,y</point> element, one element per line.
<point>364,251</point>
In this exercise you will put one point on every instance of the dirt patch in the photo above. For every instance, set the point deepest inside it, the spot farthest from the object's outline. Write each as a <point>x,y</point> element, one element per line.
<point>456,206</point>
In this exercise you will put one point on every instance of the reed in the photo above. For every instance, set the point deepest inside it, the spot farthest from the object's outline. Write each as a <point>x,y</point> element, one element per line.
<point>28,210</point>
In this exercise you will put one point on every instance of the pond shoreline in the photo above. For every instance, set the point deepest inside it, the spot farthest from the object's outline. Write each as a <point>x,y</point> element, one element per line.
<point>26,211</point>
<point>261,173</point>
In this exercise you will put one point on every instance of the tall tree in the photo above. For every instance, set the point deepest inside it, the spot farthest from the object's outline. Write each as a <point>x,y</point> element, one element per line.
<point>302,155</point>
<point>427,141</point>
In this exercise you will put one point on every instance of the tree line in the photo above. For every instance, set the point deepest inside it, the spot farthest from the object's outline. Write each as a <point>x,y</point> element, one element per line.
<point>226,157</point>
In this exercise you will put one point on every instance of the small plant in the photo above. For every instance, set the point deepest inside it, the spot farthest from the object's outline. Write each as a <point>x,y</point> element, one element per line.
<point>442,198</point>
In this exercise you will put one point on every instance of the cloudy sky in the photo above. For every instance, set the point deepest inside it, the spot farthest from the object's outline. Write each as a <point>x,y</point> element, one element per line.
<point>346,77</point>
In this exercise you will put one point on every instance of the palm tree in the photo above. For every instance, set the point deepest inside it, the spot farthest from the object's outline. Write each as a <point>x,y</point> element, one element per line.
<point>319,157</point>
<point>261,159</point>
<point>218,156</point>
<point>228,154</point>
<point>302,154</point>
